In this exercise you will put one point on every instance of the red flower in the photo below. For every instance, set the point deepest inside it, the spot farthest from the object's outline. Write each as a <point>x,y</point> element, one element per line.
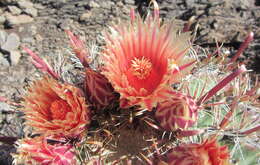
<point>180,111</point>
<point>207,153</point>
<point>143,59</point>
<point>38,151</point>
<point>56,109</point>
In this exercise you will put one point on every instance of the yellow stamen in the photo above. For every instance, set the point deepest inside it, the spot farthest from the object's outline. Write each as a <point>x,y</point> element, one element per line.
<point>141,68</point>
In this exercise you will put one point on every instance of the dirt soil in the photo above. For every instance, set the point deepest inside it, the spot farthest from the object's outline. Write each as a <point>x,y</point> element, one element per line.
<point>227,21</point>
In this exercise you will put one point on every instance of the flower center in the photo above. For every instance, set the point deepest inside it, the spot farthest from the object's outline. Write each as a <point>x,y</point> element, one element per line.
<point>141,68</point>
<point>59,109</point>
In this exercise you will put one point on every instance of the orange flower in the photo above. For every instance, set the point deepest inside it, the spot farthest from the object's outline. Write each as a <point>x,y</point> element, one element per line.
<point>180,111</point>
<point>99,91</point>
<point>54,108</point>
<point>143,59</point>
<point>207,153</point>
<point>38,151</point>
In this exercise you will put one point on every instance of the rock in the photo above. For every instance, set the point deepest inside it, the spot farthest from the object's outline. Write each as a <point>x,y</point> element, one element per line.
<point>3,62</point>
<point>20,29</point>
<point>129,2</point>
<point>82,3</point>
<point>28,30</point>
<point>120,4</point>
<point>31,11</point>
<point>38,6</point>
<point>242,4</point>
<point>2,19</point>
<point>12,42</point>
<point>23,4</point>
<point>65,24</point>
<point>38,38</point>
<point>213,11</point>
<point>3,36</point>
<point>256,13</point>
<point>16,20</point>
<point>15,57</point>
<point>93,4</point>
<point>28,40</point>
<point>107,4</point>
<point>85,16</point>
<point>8,2</point>
<point>190,3</point>
<point>4,106</point>
<point>33,30</point>
<point>14,10</point>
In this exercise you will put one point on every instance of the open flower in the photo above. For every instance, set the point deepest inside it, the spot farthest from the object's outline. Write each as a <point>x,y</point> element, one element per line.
<point>143,59</point>
<point>207,153</point>
<point>180,111</point>
<point>38,151</point>
<point>54,108</point>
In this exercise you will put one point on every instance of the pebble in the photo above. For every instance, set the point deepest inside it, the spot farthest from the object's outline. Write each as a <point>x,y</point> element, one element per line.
<point>38,38</point>
<point>33,29</point>
<point>120,4</point>
<point>65,24</point>
<point>8,2</point>
<point>93,4</point>
<point>244,5</point>
<point>20,29</point>
<point>129,2</point>
<point>82,3</point>
<point>39,6</point>
<point>3,36</point>
<point>107,4</point>
<point>190,3</point>
<point>16,20</point>
<point>12,42</point>
<point>2,19</point>
<point>4,106</point>
<point>28,40</point>
<point>85,16</point>
<point>3,62</point>
<point>14,10</point>
<point>31,11</point>
<point>256,13</point>
<point>23,4</point>
<point>15,57</point>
